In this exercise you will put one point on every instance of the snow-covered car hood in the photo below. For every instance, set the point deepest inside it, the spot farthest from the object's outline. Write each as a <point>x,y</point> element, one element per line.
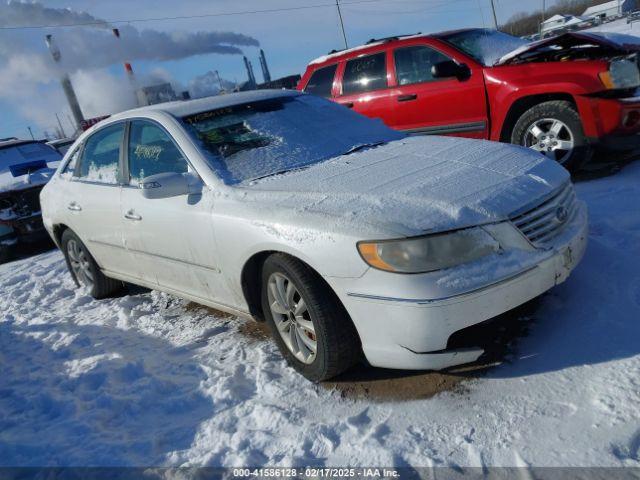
<point>574,44</point>
<point>415,185</point>
<point>10,183</point>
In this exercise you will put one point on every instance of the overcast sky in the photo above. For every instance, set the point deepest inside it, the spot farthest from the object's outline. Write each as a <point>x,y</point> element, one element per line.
<point>290,39</point>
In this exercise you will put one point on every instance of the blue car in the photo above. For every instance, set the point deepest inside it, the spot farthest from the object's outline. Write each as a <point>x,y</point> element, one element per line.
<point>25,167</point>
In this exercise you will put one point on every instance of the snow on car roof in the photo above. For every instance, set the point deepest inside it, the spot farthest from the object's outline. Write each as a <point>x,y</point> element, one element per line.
<point>181,108</point>
<point>15,143</point>
<point>339,53</point>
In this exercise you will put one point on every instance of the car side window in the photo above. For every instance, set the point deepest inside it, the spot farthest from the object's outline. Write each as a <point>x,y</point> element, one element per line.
<point>413,64</point>
<point>321,81</point>
<point>101,155</point>
<point>152,151</point>
<point>364,74</point>
<point>70,168</point>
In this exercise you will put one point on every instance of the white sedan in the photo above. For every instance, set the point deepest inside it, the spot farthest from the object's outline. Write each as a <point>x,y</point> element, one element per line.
<point>348,238</point>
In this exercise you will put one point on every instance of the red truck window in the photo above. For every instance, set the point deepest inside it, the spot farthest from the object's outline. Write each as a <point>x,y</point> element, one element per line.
<point>413,64</point>
<point>364,74</point>
<point>321,81</point>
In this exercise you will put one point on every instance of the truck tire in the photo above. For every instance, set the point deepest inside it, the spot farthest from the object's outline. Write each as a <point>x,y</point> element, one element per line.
<point>310,326</point>
<point>554,129</point>
<point>84,269</point>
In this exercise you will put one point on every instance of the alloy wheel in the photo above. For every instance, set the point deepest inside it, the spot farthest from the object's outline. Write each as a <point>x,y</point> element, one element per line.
<point>292,317</point>
<point>551,137</point>
<point>80,264</point>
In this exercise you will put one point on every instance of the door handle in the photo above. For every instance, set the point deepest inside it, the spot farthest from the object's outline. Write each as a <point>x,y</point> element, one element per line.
<point>408,97</point>
<point>348,104</point>
<point>74,207</point>
<point>131,215</point>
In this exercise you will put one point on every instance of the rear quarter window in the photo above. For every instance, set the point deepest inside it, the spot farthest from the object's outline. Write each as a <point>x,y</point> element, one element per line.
<point>321,81</point>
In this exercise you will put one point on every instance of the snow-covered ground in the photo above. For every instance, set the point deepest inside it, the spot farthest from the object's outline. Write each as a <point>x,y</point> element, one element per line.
<point>147,379</point>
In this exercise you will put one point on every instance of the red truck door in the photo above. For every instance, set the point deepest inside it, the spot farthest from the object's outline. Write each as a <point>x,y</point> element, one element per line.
<point>427,105</point>
<point>364,86</point>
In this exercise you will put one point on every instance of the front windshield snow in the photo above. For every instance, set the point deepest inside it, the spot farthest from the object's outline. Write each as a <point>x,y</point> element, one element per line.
<point>255,140</point>
<point>484,45</point>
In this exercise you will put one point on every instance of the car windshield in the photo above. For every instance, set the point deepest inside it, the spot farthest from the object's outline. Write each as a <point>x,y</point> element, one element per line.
<point>254,140</point>
<point>484,45</point>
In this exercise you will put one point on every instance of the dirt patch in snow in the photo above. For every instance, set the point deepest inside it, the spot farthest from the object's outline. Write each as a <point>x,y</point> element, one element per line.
<point>382,385</point>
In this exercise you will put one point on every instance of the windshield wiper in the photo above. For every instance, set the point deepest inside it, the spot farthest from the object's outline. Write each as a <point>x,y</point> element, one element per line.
<point>279,172</point>
<point>362,146</point>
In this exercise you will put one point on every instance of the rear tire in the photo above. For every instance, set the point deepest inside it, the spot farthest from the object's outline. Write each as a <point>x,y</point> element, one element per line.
<point>321,320</point>
<point>544,119</point>
<point>84,269</point>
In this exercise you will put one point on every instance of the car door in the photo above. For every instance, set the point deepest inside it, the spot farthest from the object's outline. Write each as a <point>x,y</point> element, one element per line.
<point>427,105</point>
<point>91,184</point>
<point>170,240</point>
<point>364,86</point>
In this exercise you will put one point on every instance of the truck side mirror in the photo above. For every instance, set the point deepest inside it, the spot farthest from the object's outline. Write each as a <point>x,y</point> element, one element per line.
<point>449,68</point>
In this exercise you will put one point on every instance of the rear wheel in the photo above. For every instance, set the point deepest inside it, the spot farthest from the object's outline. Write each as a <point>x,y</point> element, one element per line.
<point>84,269</point>
<point>310,326</point>
<point>554,129</point>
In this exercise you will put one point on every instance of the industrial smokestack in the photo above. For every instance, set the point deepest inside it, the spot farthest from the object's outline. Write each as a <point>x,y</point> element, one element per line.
<point>265,69</point>
<point>128,70</point>
<point>249,67</point>
<point>65,81</point>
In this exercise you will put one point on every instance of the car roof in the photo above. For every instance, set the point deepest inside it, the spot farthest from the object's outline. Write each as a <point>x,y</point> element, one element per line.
<point>16,143</point>
<point>181,108</point>
<point>61,141</point>
<point>373,43</point>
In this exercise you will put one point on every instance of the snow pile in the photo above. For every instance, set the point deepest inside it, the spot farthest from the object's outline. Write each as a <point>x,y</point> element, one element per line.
<point>147,379</point>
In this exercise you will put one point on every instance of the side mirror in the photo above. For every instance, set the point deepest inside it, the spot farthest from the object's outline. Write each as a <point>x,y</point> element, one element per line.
<point>165,185</point>
<point>449,68</point>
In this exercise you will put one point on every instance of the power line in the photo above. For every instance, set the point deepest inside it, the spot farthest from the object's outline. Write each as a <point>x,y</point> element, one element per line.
<point>188,17</point>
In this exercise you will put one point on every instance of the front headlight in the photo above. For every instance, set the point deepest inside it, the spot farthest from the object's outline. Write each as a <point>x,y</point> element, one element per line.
<point>622,73</point>
<point>428,253</point>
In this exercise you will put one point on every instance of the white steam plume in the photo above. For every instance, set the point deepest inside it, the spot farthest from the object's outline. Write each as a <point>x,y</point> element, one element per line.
<point>27,70</point>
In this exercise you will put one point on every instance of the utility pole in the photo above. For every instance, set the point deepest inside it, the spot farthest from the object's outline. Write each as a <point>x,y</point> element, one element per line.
<point>542,21</point>
<point>344,35</point>
<point>495,18</point>
<point>31,133</point>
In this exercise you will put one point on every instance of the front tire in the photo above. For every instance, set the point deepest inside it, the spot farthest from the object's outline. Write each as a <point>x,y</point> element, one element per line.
<point>310,326</point>
<point>554,129</point>
<point>84,269</point>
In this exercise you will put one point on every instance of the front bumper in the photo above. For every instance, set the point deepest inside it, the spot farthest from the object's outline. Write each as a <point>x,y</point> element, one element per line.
<point>412,333</point>
<point>28,229</point>
<point>611,123</point>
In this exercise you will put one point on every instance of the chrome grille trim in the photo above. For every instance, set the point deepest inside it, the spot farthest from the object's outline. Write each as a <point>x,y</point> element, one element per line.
<point>541,224</point>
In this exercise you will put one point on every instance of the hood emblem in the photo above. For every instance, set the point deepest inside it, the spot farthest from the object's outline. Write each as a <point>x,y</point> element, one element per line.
<point>562,214</point>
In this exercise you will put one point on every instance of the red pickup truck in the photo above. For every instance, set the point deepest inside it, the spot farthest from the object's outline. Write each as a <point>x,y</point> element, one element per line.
<point>562,96</point>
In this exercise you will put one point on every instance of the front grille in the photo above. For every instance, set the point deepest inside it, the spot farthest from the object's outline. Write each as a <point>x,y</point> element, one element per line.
<point>23,203</point>
<point>547,220</point>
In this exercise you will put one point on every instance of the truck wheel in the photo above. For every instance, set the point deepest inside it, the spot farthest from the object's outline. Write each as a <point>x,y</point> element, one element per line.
<point>84,269</point>
<point>554,129</point>
<point>310,326</point>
